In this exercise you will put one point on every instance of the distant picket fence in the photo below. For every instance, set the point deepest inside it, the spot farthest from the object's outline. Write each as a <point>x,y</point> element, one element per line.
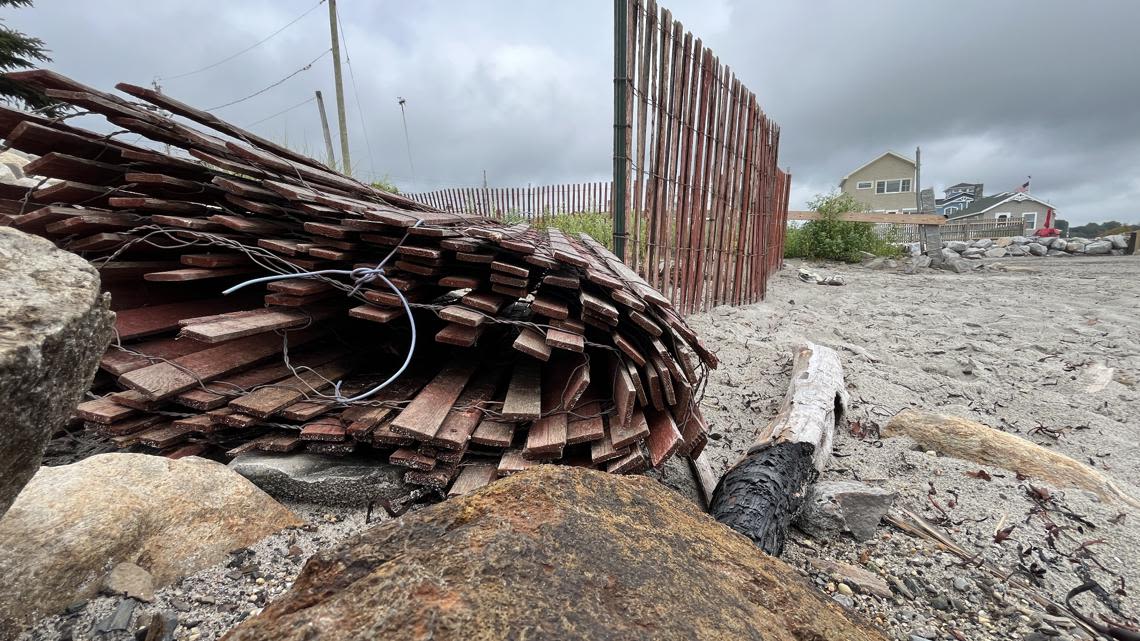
<point>535,202</point>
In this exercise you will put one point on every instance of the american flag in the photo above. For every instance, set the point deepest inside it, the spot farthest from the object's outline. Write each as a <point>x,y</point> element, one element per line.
<point>1024,189</point>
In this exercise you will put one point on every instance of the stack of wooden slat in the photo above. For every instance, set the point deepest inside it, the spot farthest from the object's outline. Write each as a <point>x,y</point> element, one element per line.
<point>532,346</point>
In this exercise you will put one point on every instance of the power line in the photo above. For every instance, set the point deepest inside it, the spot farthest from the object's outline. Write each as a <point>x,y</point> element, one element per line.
<point>355,93</point>
<point>283,111</point>
<point>247,49</point>
<point>261,91</point>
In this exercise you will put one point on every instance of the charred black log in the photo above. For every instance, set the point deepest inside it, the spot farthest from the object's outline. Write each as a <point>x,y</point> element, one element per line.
<point>760,495</point>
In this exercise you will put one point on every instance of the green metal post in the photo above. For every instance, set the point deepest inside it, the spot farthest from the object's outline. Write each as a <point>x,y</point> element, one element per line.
<point>620,83</point>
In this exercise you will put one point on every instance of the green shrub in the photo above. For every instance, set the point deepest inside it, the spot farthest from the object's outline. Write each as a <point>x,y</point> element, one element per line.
<point>385,184</point>
<point>830,238</point>
<point>599,225</point>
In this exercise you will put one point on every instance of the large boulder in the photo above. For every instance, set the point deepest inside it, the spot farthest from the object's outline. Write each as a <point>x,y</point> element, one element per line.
<point>983,243</point>
<point>957,265</point>
<point>556,552</point>
<point>1057,243</point>
<point>73,524</point>
<point>1037,249</point>
<point>1119,241</point>
<point>996,252</point>
<point>320,479</point>
<point>54,326</point>
<point>957,246</point>
<point>1075,245</point>
<point>974,252</point>
<point>1017,250</point>
<point>1098,247</point>
<point>1019,240</point>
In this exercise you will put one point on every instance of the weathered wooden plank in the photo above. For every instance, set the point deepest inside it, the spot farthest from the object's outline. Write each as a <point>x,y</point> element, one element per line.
<point>119,361</point>
<point>637,430</point>
<point>465,417</point>
<point>163,380</point>
<point>103,411</point>
<point>196,273</point>
<point>460,335</point>
<point>423,416</point>
<point>565,340</point>
<point>324,429</point>
<point>493,434</point>
<point>524,394</point>
<point>462,315</point>
<point>473,477</point>
<point>585,424</point>
<point>603,450</point>
<point>513,461</point>
<point>664,438</point>
<point>269,400</point>
<point>550,306</point>
<point>533,343</point>
<point>262,321</point>
<point>407,457</point>
<point>631,463</point>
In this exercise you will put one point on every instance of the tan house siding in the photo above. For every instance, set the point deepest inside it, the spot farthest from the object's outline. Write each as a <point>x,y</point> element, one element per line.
<point>1024,209</point>
<point>886,167</point>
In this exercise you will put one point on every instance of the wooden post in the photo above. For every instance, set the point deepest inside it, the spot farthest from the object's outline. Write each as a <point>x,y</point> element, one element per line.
<point>325,129</point>
<point>342,121</point>
<point>762,493</point>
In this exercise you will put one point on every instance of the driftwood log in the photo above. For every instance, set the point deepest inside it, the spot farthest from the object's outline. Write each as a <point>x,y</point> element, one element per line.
<point>972,441</point>
<point>761,494</point>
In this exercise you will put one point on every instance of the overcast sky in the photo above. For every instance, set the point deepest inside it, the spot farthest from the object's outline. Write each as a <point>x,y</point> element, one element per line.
<point>991,91</point>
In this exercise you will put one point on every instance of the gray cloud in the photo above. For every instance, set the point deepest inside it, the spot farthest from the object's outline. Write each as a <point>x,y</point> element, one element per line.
<point>992,91</point>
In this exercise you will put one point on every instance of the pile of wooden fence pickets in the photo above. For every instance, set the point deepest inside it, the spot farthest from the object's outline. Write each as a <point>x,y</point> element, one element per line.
<point>532,346</point>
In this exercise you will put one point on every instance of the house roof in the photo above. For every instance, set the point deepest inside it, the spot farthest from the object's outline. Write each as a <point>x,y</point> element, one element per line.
<point>965,194</point>
<point>963,185</point>
<point>986,203</point>
<point>873,160</point>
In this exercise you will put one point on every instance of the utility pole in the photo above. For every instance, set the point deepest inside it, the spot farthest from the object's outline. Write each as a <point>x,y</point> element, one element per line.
<point>345,160</point>
<point>918,180</point>
<point>328,136</point>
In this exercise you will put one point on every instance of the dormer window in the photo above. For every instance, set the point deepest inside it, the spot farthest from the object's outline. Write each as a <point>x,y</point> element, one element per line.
<point>897,186</point>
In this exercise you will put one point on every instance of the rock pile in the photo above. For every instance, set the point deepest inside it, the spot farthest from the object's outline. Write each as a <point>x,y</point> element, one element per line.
<point>1033,246</point>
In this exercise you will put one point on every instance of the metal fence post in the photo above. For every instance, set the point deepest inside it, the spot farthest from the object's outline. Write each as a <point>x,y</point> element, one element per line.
<point>621,20</point>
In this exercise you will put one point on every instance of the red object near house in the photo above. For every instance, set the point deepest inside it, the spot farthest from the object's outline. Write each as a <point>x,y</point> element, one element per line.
<point>1048,230</point>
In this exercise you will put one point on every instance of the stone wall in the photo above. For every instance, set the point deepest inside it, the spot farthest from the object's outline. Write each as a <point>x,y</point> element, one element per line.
<point>1034,246</point>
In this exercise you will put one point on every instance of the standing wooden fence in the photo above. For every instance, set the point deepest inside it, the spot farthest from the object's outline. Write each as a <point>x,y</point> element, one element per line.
<point>706,203</point>
<point>531,203</point>
<point>985,229</point>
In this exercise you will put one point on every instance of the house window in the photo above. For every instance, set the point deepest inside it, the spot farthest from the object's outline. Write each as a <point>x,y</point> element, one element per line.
<point>892,186</point>
<point>863,184</point>
<point>1002,217</point>
<point>1030,220</point>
